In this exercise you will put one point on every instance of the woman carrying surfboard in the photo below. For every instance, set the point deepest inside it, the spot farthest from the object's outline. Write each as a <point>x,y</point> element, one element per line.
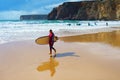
<point>51,42</point>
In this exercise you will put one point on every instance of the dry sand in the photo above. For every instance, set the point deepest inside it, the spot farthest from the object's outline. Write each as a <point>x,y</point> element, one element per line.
<point>88,59</point>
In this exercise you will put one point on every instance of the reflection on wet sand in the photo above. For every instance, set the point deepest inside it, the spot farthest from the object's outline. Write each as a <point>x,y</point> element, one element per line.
<point>112,38</point>
<point>49,65</point>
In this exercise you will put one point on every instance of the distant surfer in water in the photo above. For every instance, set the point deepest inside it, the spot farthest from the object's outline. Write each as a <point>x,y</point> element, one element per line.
<point>51,42</point>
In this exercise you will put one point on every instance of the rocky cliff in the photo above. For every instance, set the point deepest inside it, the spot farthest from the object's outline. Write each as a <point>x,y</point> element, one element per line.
<point>33,17</point>
<point>87,10</point>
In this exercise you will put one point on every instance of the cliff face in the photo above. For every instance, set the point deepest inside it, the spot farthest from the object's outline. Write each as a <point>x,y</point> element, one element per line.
<point>33,17</point>
<point>87,10</point>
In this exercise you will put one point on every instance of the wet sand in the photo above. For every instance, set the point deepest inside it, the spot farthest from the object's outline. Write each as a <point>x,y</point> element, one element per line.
<point>82,57</point>
<point>112,38</point>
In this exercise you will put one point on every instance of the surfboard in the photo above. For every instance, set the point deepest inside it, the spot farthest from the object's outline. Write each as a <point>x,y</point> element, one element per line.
<point>44,40</point>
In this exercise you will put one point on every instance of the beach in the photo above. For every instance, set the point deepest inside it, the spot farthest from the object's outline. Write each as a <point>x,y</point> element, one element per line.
<point>85,35</point>
<point>79,57</point>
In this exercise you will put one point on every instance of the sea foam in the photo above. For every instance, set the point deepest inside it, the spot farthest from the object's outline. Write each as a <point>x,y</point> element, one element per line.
<point>16,30</point>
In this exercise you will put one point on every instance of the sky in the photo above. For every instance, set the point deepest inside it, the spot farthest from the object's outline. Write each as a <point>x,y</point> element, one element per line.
<point>12,9</point>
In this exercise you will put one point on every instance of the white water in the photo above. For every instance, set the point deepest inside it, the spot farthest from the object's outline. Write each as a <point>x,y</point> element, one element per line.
<point>27,30</point>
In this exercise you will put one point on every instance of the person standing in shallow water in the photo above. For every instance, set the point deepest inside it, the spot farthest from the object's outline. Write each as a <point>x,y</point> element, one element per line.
<point>51,42</point>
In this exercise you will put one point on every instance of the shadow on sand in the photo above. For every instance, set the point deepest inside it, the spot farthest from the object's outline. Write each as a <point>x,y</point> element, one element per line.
<point>66,54</point>
<point>52,63</point>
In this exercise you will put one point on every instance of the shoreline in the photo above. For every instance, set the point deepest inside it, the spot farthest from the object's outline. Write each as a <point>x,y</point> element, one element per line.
<point>108,37</point>
<point>70,32</point>
<point>90,30</point>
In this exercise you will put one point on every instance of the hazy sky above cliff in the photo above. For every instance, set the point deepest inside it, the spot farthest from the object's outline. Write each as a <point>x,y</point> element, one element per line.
<point>12,9</point>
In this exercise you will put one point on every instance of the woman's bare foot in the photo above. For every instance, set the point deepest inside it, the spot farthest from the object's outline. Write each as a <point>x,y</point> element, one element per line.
<point>50,54</point>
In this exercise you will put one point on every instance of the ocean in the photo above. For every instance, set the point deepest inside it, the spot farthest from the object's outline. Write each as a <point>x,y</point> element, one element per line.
<point>16,30</point>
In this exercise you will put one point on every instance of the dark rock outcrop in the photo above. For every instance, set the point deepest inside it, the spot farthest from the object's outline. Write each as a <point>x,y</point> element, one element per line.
<point>33,17</point>
<point>87,10</point>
